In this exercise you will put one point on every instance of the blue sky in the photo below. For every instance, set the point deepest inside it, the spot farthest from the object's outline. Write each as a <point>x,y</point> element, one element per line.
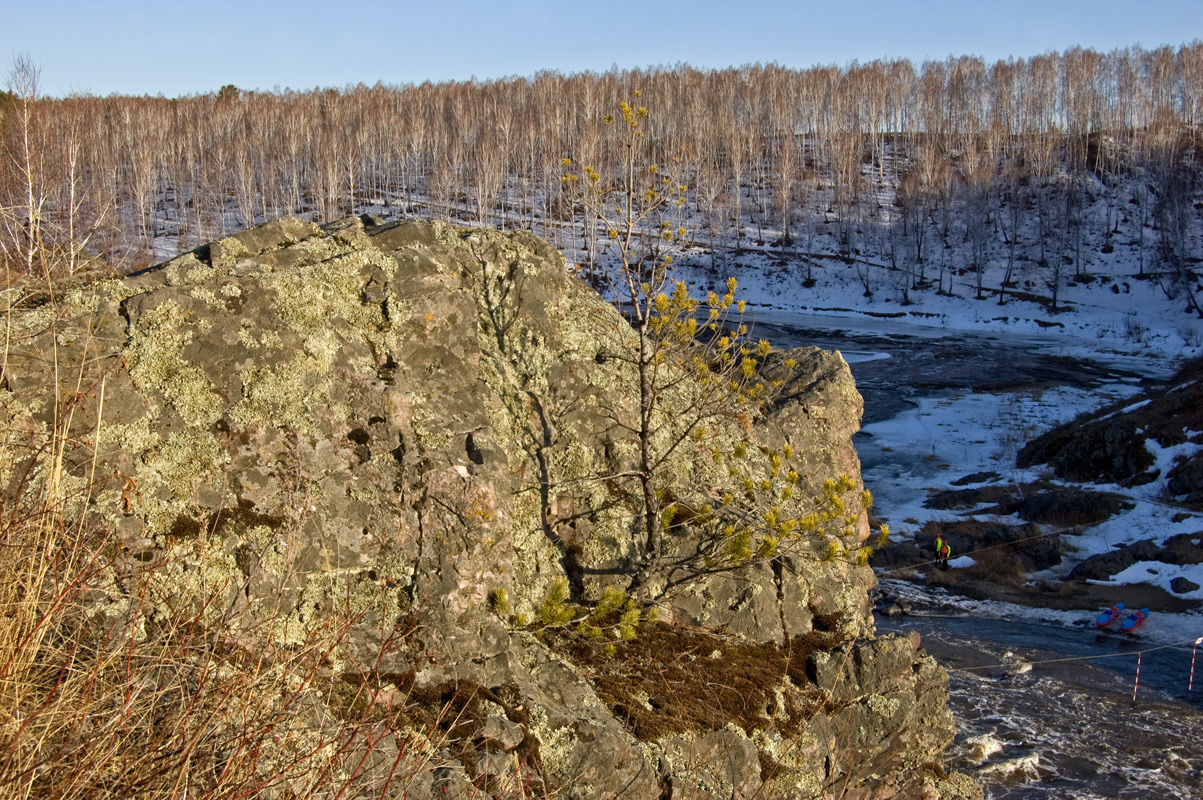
<point>177,48</point>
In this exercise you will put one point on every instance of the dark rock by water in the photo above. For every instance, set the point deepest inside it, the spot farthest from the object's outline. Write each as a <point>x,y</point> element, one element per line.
<point>1108,445</point>
<point>1183,549</point>
<point>1034,548</point>
<point>1183,585</point>
<point>1054,505</point>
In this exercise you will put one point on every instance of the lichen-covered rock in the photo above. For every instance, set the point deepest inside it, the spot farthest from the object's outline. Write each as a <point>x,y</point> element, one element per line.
<point>420,428</point>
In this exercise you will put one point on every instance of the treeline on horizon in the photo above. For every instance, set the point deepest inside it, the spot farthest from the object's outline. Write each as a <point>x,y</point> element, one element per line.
<point>1005,148</point>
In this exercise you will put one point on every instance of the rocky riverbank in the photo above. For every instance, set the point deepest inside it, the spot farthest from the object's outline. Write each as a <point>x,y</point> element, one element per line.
<point>1069,536</point>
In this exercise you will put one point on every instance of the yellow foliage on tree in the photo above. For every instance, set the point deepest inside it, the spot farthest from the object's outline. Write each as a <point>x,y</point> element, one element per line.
<point>699,372</point>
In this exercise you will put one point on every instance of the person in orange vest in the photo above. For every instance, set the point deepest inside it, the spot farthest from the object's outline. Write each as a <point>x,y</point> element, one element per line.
<point>943,551</point>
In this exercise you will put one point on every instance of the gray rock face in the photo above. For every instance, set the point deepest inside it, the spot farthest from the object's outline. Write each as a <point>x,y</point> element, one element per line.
<point>420,426</point>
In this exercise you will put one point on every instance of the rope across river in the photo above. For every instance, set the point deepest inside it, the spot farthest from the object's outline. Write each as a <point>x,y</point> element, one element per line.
<point>1066,659</point>
<point>1099,656</point>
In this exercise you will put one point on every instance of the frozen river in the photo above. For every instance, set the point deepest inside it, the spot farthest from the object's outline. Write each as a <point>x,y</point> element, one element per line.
<point>1043,710</point>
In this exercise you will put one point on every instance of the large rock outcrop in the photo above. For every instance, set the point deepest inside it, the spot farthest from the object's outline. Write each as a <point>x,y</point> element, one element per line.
<point>422,425</point>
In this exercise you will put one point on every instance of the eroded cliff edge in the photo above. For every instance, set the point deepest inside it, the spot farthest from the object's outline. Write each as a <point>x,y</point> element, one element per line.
<point>407,420</point>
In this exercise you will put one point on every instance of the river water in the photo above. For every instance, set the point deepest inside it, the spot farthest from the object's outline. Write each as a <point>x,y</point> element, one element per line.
<point>1048,712</point>
<point>896,363</point>
<point>1043,711</point>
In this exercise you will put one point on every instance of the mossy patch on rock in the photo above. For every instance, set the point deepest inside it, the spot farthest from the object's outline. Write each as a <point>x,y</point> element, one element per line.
<point>671,679</point>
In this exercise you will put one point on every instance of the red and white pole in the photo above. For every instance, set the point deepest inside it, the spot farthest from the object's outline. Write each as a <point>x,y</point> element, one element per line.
<point>1136,685</point>
<point>1190,685</point>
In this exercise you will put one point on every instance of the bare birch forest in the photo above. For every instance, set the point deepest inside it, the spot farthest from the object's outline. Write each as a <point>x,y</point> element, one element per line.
<point>890,161</point>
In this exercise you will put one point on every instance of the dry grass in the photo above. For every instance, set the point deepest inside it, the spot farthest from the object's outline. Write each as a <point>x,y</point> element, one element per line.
<point>133,705</point>
<point>999,564</point>
<point>671,679</point>
<point>108,689</point>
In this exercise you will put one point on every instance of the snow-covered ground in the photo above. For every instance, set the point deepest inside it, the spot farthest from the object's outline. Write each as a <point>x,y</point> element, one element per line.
<point>977,433</point>
<point>1138,326</point>
<point>942,438</point>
